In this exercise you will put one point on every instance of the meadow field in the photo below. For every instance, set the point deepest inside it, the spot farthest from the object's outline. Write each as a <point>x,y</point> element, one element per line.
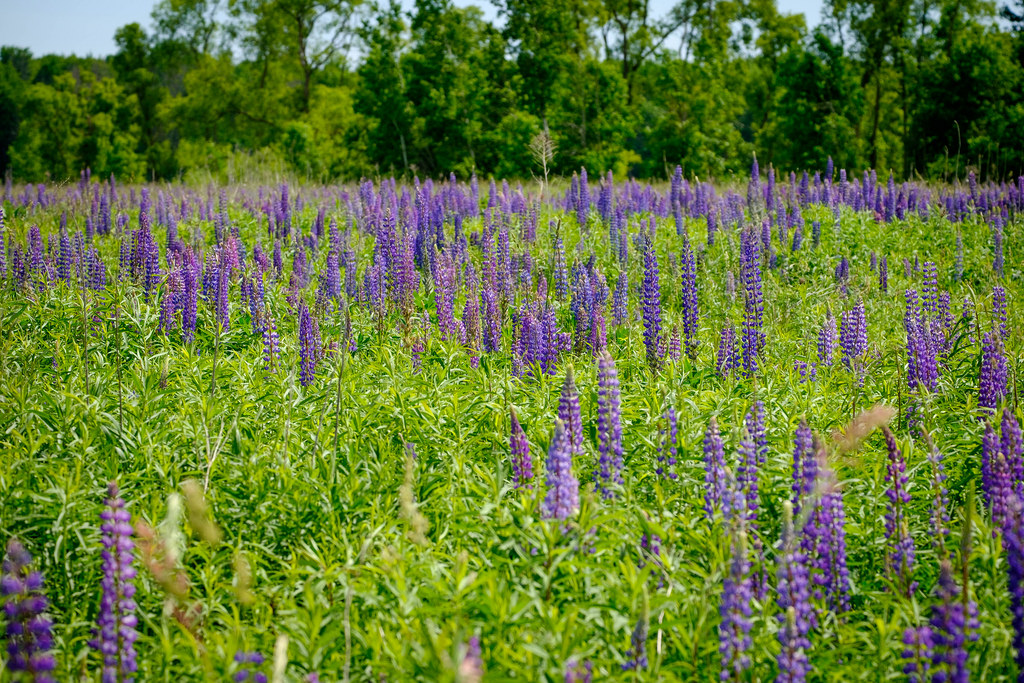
<point>472,430</point>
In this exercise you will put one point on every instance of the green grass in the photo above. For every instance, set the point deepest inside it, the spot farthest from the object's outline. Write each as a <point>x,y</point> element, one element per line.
<point>334,564</point>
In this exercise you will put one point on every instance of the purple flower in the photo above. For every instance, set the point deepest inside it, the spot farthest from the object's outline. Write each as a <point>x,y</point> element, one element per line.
<point>794,600</point>
<point>244,674</point>
<point>953,622</point>
<point>651,300</point>
<point>1012,443</point>
<point>805,466</point>
<point>883,274</point>
<point>519,447</point>
<point>999,309</point>
<point>308,351</point>
<point>115,634</point>
<point>636,656</point>
<point>918,652</point>
<point>1013,542</point>
<point>737,592</point>
<point>492,321</point>
<point>223,282</point>
<point>563,496</point>
<point>753,311</point>
<point>579,672</point>
<point>827,342</point>
<point>190,296</point>
<point>332,280</point>
<point>714,469</point>
<point>29,637</point>
<point>940,495</point>
<point>930,288</point>
<point>569,413</point>
<point>609,425</point>
<point>853,336</point>
<point>691,307</point>
<point>619,300</point>
<point>900,545</point>
<point>728,353</point>
<point>992,374</point>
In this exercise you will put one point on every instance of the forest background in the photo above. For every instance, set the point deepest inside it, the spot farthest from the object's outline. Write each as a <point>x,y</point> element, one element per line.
<point>330,90</point>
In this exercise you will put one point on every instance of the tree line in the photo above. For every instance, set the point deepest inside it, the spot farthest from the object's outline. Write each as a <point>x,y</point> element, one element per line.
<point>342,89</point>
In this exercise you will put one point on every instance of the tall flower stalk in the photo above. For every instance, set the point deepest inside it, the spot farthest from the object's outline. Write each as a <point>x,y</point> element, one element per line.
<point>115,634</point>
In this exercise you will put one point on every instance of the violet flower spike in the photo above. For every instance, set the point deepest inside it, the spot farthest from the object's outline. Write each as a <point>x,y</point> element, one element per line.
<point>115,634</point>
<point>29,631</point>
<point>609,426</point>
<point>563,496</point>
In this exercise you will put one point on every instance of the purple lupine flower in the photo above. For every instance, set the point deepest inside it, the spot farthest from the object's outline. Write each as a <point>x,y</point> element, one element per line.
<point>900,544</point>
<point>271,345</point>
<point>579,672</point>
<point>96,270</point>
<point>308,351</point>
<point>794,600</point>
<point>332,280</point>
<point>416,349</point>
<point>115,634</point>
<point>753,311</point>
<point>824,536</point>
<point>519,448</point>
<point>190,296</point>
<point>930,288</point>
<point>1013,542</point>
<point>246,659</point>
<point>999,309</point>
<point>609,425</point>
<point>922,364</point>
<point>728,353</point>
<point>636,656</point>
<point>1011,442</point>
<point>805,466</point>
<point>999,491</point>
<point>815,234</point>
<point>714,469</point>
<point>827,342</point>
<point>992,374</point>
<point>29,636</point>
<point>737,592</point>
<point>746,475</point>
<point>569,412</point>
<point>917,652</point>
<point>583,200</point>
<point>563,496</point>
<point>223,282</point>
<point>444,296</point>
<point>853,335</point>
<point>620,300</point>
<point>561,276</point>
<point>651,300</point>
<point>691,307</point>
<point>491,321</point>
<point>883,274</point>
<point>940,495</point>
<point>668,445</point>
<point>953,622</point>
<point>64,257</point>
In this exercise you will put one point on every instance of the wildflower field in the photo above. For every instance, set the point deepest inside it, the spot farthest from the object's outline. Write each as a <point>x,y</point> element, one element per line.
<point>460,430</point>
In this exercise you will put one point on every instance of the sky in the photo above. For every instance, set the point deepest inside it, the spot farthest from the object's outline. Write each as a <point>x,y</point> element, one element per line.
<point>87,28</point>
